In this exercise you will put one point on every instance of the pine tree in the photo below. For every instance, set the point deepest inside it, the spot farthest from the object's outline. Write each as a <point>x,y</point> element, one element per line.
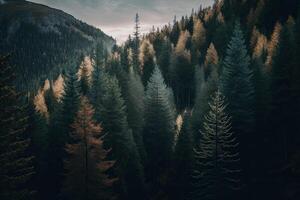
<point>237,85</point>
<point>158,130</point>
<point>136,109</point>
<point>69,101</point>
<point>182,72</point>
<point>84,80</point>
<point>119,137</point>
<point>87,165</point>
<point>164,58</point>
<point>216,171</point>
<point>183,161</point>
<point>55,147</point>
<point>16,167</point>
<point>147,60</point>
<point>207,80</point>
<point>296,75</point>
<point>211,60</point>
<point>136,44</point>
<point>38,130</point>
<point>281,98</point>
<point>198,40</point>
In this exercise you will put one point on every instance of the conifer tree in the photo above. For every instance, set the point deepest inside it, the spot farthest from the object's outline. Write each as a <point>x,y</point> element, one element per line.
<point>238,88</point>
<point>69,107</point>
<point>183,161</point>
<point>216,171</point>
<point>211,60</point>
<point>55,147</point>
<point>164,58</point>
<point>84,80</point>
<point>119,137</point>
<point>86,164</point>
<point>281,98</point>
<point>207,82</point>
<point>158,130</point>
<point>198,40</point>
<point>16,167</point>
<point>296,75</point>
<point>136,44</point>
<point>136,109</point>
<point>182,72</point>
<point>38,130</point>
<point>147,60</point>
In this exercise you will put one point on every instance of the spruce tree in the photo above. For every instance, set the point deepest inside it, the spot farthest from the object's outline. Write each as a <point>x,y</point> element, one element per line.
<point>164,58</point>
<point>135,110</point>
<point>183,161</point>
<point>281,99</point>
<point>147,60</point>
<point>16,167</point>
<point>86,164</point>
<point>69,101</point>
<point>112,115</point>
<point>238,88</point>
<point>158,130</point>
<point>55,147</point>
<point>207,80</point>
<point>216,174</point>
<point>136,45</point>
<point>183,72</point>
<point>38,130</point>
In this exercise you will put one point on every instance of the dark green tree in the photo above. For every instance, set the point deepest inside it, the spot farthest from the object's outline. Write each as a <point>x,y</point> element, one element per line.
<point>135,109</point>
<point>238,87</point>
<point>183,161</point>
<point>16,167</point>
<point>147,60</point>
<point>112,115</point>
<point>216,174</point>
<point>159,131</point>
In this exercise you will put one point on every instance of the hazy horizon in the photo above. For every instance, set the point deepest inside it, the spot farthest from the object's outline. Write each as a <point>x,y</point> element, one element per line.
<point>116,17</point>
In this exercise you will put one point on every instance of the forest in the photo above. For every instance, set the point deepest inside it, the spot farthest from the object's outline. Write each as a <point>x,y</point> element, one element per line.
<point>205,108</point>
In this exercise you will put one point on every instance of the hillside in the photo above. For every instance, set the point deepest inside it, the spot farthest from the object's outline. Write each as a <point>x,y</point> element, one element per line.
<point>43,41</point>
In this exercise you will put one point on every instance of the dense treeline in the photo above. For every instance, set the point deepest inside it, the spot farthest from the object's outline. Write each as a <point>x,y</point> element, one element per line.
<point>43,41</point>
<point>206,108</point>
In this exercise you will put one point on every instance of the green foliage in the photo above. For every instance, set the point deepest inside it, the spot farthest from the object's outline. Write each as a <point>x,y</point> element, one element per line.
<point>16,167</point>
<point>112,115</point>
<point>158,130</point>
<point>183,161</point>
<point>136,109</point>
<point>216,172</point>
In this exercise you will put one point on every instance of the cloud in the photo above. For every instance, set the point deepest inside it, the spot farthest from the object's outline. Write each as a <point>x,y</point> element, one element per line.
<point>116,17</point>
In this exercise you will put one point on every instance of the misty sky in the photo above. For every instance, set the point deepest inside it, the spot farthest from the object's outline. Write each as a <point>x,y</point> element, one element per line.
<point>116,17</point>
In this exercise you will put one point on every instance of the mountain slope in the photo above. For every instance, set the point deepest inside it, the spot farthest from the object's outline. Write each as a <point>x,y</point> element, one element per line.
<point>44,41</point>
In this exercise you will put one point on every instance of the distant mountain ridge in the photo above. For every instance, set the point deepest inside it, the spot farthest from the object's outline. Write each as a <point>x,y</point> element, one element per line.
<point>44,41</point>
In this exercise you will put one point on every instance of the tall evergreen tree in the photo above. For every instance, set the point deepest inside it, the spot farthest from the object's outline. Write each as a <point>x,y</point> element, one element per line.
<point>119,137</point>
<point>135,109</point>
<point>147,60</point>
<point>183,161</point>
<point>164,59</point>
<point>55,147</point>
<point>136,44</point>
<point>158,131</point>
<point>238,88</point>
<point>216,171</point>
<point>86,165</point>
<point>207,81</point>
<point>16,167</point>
<point>70,103</point>
<point>182,73</point>
<point>38,130</point>
<point>281,98</point>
